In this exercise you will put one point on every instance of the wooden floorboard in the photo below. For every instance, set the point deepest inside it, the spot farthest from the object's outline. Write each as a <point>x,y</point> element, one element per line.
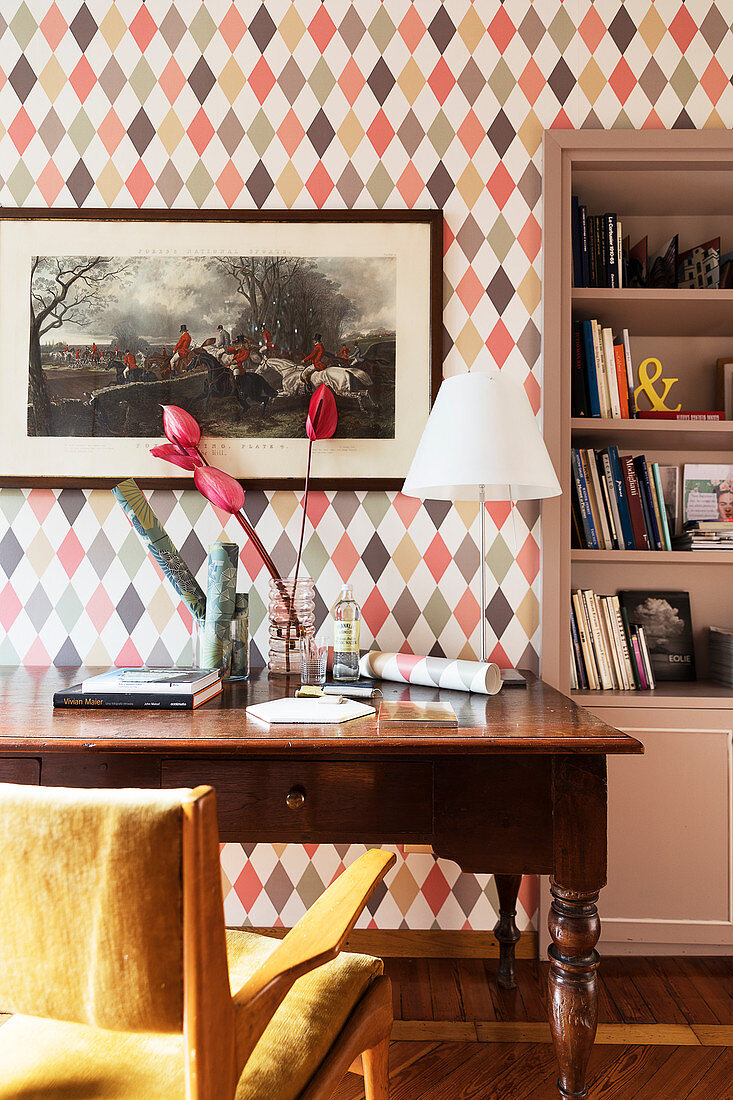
<point>631,991</point>
<point>505,1071</point>
<point>665,1032</point>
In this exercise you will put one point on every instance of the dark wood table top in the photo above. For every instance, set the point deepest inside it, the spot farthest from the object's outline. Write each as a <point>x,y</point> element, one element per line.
<point>536,719</point>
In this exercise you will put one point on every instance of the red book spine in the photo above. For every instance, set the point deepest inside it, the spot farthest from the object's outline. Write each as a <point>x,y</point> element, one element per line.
<point>631,484</point>
<point>623,384</point>
<point>650,414</point>
<point>639,662</point>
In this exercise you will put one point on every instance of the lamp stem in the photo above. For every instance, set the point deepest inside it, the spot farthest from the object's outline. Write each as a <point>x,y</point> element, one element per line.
<point>482,564</point>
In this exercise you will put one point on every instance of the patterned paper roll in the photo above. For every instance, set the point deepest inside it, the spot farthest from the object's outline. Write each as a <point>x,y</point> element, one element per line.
<point>221,590</point>
<point>436,672</point>
<point>143,519</point>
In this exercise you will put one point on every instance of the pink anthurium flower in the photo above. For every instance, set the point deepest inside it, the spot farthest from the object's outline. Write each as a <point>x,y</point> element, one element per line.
<point>322,414</point>
<point>180,427</point>
<point>221,489</point>
<point>171,453</point>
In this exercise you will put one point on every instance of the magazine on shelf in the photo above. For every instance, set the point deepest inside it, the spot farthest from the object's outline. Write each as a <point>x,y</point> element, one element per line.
<point>708,492</point>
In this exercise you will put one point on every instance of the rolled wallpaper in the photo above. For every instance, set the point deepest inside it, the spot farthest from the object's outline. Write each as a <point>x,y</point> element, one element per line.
<point>439,672</point>
<point>221,589</point>
<point>143,519</point>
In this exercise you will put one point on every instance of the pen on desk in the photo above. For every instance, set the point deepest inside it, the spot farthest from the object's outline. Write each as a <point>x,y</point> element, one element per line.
<point>352,691</point>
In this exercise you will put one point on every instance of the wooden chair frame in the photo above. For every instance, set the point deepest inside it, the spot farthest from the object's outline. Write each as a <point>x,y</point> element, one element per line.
<point>220,1029</point>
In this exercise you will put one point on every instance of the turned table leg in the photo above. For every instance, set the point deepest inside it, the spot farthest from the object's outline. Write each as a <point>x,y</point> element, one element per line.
<point>506,930</point>
<point>579,841</point>
<point>575,927</point>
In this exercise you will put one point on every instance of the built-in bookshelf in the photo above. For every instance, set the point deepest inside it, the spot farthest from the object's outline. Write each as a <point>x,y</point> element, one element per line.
<point>661,184</point>
<point>670,828</point>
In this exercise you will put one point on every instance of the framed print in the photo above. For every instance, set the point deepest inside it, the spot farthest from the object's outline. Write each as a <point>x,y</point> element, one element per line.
<point>236,317</point>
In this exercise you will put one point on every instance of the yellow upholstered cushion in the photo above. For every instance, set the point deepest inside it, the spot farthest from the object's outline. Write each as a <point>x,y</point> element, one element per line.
<point>48,1060</point>
<point>45,1060</point>
<point>304,1028</point>
<point>90,883</point>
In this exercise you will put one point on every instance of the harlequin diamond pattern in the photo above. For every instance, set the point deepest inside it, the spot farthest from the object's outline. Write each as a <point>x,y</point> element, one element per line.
<point>329,105</point>
<point>83,589</point>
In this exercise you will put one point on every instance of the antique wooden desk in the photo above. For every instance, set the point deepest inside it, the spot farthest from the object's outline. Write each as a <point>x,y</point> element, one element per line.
<point>518,787</point>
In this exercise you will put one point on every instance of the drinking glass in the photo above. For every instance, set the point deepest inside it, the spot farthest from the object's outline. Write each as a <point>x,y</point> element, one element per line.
<point>313,657</point>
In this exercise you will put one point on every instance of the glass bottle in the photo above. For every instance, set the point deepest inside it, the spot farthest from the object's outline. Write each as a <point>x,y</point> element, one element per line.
<point>291,612</point>
<point>346,629</point>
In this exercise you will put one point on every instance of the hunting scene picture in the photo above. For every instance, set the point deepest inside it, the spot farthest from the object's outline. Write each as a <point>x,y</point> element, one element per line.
<point>241,342</point>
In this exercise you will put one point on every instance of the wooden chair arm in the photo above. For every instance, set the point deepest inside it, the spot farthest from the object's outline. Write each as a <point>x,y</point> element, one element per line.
<point>317,938</point>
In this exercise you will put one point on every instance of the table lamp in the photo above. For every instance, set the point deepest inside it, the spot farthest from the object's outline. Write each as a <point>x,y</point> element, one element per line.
<point>481,442</point>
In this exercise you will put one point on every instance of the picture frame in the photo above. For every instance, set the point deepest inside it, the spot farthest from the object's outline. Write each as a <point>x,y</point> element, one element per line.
<point>725,387</point>
<point>82,408</point>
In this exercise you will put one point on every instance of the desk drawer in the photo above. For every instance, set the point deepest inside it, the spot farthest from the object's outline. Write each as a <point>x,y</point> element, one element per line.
<point>308,801</point>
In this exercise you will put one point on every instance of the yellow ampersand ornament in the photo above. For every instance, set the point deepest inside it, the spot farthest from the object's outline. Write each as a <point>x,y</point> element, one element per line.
<point>646,384</point>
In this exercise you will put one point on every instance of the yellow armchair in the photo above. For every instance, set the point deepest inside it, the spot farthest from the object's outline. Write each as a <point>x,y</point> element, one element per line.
<point>124,982</point>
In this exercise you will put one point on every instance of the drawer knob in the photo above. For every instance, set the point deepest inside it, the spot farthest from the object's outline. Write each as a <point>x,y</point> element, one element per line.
<point>295,799</point>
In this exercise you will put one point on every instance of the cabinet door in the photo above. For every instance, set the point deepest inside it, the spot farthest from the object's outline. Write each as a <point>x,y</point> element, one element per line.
<point>670,823</point>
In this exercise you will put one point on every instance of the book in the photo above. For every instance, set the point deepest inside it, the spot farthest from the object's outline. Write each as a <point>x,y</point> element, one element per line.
<point>629,372</point>
<point>591,372</point>
<point>652,414</point>
<point>77,697</point>
<point>581,619</point>
<point>666,535</point>
<point>662,271</point>
<point>602,659</point>
<point>708,491</point>
<point>621,500</point>
<point>575,235</point>
<point>669,477</point>
<point>577,650</point>
<point>648,671</point>
<point>579,386</point>
<point>633,498</point>
<point>429,713</point>
<point>612,252</point>
<point>699,267</point>
<point>609,361</point>
<point>624,643</point>
<point>588,459</point>
<point>581,489</point>
<point>621,381</point>
<point>605,460</point>
<point>637,263</point>
<point>601,373</point>
<point>638,657</point>
<point>667,623</point>
<point>151,681</point>
<point>585,261</point>
<point>650,518</point>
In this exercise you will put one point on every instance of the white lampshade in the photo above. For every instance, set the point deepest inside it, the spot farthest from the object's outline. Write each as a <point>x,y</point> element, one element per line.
<point>481,431</point>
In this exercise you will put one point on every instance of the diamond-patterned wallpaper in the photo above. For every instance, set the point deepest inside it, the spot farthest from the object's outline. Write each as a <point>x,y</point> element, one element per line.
<point>335,104</point>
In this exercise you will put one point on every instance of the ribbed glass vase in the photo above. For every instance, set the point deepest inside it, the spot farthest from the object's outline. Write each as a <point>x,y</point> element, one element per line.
<point>291,613</point>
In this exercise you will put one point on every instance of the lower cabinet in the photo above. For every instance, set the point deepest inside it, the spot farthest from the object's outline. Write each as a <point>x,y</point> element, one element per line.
<point>670,831</point>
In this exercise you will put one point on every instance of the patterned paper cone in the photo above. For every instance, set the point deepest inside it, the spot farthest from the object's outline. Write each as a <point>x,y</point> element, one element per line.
<point>240,637</point>
<point>146,523</point>
<point>438,672</point>
<point>221,586</point>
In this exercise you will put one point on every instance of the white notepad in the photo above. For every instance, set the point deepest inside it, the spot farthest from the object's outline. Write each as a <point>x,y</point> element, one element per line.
<point>311,711</point>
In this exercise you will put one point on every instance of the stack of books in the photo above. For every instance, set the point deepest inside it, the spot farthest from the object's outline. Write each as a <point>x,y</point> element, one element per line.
<point>617,502</point>
<point>606,651</point>
<point>705,534</point>
<point>602,379</point>
<point>720,643</point>
<point>599,250</point>
<point>144,689</point>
